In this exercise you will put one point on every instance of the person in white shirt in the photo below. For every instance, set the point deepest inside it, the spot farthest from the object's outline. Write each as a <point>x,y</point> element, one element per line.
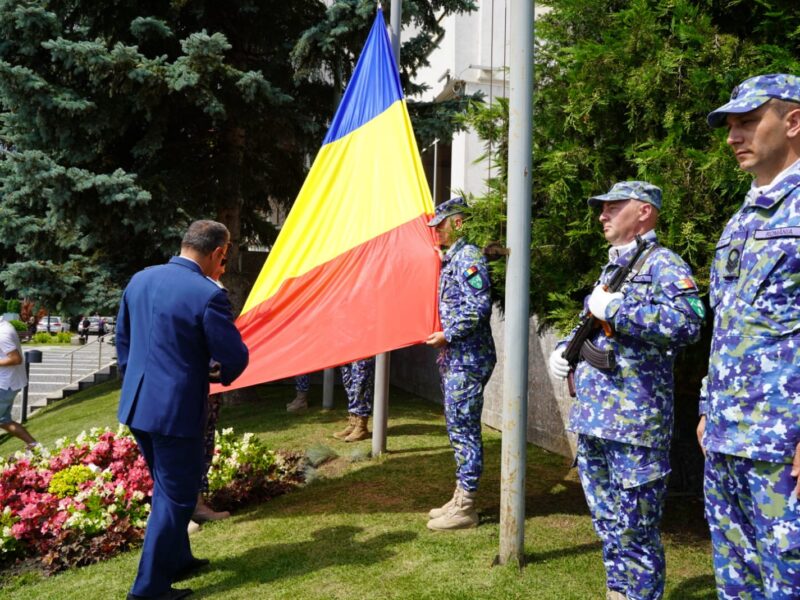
<point>12,379</point>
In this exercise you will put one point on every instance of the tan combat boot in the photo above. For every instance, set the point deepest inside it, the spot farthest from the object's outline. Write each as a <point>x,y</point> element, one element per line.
<point>360,431</point>
<point>299,403</point>
<point>460,515</point>
<point>435,513</point>
<point>351,424</point>
<point>615,595</point>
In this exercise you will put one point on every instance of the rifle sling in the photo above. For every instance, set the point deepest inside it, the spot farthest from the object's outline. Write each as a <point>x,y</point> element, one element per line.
<point>605,359</point>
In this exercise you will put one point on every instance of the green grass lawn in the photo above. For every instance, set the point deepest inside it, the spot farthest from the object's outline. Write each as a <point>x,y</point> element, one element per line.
<point>359,530</point>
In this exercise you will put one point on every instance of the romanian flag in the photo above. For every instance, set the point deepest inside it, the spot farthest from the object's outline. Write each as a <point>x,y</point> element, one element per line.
<point>354,271</point>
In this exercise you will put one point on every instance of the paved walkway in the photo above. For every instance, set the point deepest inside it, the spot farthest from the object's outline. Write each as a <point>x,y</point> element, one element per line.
<point>63,368</point>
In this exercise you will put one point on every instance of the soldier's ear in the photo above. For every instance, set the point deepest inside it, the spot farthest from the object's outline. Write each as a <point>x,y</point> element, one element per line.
<point>792,121</point>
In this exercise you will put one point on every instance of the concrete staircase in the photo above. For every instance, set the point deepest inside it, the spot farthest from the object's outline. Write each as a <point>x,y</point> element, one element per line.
<point>65,371</point>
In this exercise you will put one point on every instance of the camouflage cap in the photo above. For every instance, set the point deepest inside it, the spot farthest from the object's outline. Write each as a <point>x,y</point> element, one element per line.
<point>753,92</point>
<point>627,190</point>
<point>447,208</point>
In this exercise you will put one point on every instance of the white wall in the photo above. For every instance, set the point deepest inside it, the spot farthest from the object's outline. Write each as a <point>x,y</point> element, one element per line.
<point>474,50</point>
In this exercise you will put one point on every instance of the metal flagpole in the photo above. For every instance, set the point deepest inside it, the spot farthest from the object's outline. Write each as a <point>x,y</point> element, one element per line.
<point>380,407</point>
<point>515,373</point>
<point>327,389</point>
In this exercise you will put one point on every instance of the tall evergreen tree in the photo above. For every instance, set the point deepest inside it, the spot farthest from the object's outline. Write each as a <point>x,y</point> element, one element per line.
<point>622,91</point>
<point>124,122</point>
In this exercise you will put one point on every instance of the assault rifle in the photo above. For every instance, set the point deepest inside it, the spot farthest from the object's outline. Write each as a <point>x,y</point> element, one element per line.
<point>580,346</point>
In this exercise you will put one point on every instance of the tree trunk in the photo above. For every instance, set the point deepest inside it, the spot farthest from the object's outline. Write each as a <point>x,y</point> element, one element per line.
<point>229,213</point>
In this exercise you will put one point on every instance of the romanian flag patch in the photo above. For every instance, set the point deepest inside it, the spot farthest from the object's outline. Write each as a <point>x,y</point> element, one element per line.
<point>687,283</point>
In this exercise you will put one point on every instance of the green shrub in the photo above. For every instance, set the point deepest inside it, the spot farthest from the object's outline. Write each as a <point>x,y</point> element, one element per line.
<point>43,337</point>
<point>19,325</point>
<point>3,305</point>
<point>13,306</point>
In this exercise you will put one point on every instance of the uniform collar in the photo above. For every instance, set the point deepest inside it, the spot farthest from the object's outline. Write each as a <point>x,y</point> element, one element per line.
<point>451,251</point>
<point>617,252</point>
<point>771,194</point>
<point>186,262</point>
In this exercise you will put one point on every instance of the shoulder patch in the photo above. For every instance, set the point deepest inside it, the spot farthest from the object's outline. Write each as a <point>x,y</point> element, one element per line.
<point>680,287</point>
<point>476,281</point>
<point>687,283</point>
<point>696,305</point>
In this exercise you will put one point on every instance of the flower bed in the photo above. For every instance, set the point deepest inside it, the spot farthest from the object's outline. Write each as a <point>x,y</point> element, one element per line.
<point>86,499</point>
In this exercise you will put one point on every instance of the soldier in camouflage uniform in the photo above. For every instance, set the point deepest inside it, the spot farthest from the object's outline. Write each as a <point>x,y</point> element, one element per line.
<point>750,403</point>
<point>466,360</point>
<point>623,416</point>
<point>358,378</point>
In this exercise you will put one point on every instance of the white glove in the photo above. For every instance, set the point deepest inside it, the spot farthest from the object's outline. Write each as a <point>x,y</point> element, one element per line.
<point>599,303</point>
<point>559,367</point>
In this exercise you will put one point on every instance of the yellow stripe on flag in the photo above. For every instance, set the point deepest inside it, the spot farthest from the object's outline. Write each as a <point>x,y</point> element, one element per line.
<point>355,185</point>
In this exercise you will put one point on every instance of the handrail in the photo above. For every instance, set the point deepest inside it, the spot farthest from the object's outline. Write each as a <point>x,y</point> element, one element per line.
<point>99,341</point>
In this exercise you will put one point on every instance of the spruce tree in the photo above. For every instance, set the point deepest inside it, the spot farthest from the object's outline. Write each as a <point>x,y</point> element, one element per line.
<point>124,122</point>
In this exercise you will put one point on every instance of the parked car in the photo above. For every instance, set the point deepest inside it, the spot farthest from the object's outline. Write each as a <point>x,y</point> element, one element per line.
<point>52,324</point>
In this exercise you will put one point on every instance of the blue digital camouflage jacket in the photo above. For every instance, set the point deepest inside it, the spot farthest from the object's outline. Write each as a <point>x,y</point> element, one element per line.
<point>751,395</point>
<point>659,313</point>
<point>465,307</point>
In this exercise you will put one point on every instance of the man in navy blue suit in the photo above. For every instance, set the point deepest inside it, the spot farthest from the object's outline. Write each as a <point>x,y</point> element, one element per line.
<point>172,321</point>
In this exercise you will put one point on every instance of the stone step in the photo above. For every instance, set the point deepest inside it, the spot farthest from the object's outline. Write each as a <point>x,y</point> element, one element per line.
<point>42,393</point>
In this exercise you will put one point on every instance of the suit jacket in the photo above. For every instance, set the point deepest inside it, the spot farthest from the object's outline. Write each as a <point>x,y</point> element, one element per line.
<point>172,321</point>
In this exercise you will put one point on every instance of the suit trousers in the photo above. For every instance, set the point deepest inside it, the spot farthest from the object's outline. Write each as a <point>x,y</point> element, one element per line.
<point>176,466</point>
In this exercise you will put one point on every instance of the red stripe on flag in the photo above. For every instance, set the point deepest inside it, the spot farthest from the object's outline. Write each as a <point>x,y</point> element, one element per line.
<point>379,286</point>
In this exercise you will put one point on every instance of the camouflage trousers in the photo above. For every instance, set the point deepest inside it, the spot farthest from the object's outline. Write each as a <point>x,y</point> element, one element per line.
<point>462,388</point>
<point>302,383</point>
<point>358,379</point>
<point>625,487</point>
<point>755,527</point>
<point>214,404</point>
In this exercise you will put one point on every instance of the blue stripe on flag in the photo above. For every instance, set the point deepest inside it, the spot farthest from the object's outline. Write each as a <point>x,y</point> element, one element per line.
<point>374,86</point>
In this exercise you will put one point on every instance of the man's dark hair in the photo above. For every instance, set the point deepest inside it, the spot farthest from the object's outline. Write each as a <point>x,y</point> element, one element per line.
<point>205,236</point>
